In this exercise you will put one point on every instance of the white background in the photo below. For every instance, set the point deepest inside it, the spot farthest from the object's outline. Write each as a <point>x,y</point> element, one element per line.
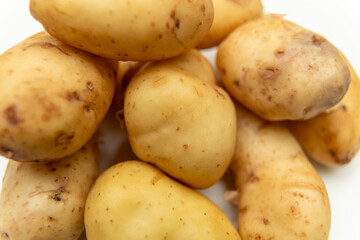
<point>338,21</point>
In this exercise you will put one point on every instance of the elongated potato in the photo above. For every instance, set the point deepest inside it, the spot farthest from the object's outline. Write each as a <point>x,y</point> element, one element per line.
<point>133,200</point>
<point>227,16</point>
<point>53,98</point>
<point>333,137</point>
<point>45,201</point>
<point>282,71</point>
<point>127,30</point>
<point>282,196</point>
<point>182,124</point>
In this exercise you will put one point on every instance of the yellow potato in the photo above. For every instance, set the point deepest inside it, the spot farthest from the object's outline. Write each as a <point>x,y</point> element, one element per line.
<point>333,137</point>
<point>282,196</point>
<point>229,14</point>
<point>282,71</point>
<point>53,98</point>
<point>45,201</point>
<point>182,124</point>
<point>133,201</point>
<point>127,30</point>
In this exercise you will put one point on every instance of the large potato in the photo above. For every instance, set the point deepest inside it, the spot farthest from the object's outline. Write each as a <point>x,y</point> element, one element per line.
<point>229,14</point>
<point>42,201</point>
<point>133,201</point>
<point>182,124</point>
<point>282,196</point>
<point>127,30</point>
<point>282,71</point>
<point>53,98</point>
<point>333,137</point>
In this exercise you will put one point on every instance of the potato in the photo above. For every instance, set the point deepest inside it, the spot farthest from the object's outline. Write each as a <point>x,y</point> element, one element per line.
<point>282,196</point>
<point>134,200</point>
<point>53,98</point>
<point>182,124</point>
<point>227,16</point>
<point>135,30</point>
<point>45,201</point>
<point>282,71</point>
<point>333,137</point>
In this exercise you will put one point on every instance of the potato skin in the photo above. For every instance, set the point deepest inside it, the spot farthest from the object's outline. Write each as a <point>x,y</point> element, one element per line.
<point>227,16</point>
<point>53,98</point>
<point>41,201</point>
<point>136,30</point>
<point>133,200</point>
<point>282,196</point>
<point>282,71</point>
<point>180,123</point>
<point>333,137</point>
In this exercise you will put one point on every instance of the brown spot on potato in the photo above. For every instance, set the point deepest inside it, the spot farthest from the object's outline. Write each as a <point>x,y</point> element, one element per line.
<point>185,146</point>
<point>90,86</point>
<point>156,178</point>
<point>63,138</point>
<point>242,211</point>
<point>56,197</point>
<point>219,94</point>
<point>317,40</point>
<point>265,221</point>
<point>253,178</point>
<point>279,53</point>
<point>269,72</point>
<point>202,8</point>
<point>11,115</point>
<point>73,96</point>
<point>343,108</point>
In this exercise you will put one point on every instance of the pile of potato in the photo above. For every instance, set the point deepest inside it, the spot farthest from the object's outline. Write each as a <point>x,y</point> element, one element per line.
<point>281,93</point>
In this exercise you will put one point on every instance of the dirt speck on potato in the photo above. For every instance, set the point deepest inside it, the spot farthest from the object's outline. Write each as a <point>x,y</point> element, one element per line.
<point>11,115</point>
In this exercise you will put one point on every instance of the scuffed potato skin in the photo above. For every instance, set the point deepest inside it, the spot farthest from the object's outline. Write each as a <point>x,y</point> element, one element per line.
<point>133,200</point>
<point>333,137</point>
<point>182,124</point>
<point>137,30</point>
<point>282,71</point>
<point>282,196</point>
<point>229,14</point>
<point>42,201</point>
<point>53,98</point>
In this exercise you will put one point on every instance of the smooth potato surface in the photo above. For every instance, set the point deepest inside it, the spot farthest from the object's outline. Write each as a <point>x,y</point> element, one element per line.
<point>282,196</point>
<point>333,137</point>
<point>182,124</point>
<point>42,201</point>
<point>229,14</point>
<point>127,30</point>
<point>133,200</point>
<point>53,98</point>
<point>282,71</point>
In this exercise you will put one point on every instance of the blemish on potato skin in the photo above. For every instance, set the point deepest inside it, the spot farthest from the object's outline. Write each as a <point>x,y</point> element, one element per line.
<point>73,96</point>
<point>185,146</point>
<point>253,178</point>
<point>265,221</point>
<point>47,45</point>
<point>11,115</point>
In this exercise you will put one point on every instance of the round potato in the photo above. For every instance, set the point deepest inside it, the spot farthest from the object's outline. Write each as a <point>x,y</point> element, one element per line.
<point>127,30</point>
<point>53,98</point>
<point>333,137</point>
<point>227,16</point>
<point>133,200</point>
<point>45,201</point>
<point>182,124</point>
<point>282,196</point>
<point>282,71</point>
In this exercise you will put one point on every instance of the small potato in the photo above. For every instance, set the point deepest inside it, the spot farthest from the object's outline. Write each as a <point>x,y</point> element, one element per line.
<point>282,71</point>
<point>282,196</point>
<point>133,201</point>
<point>227,16</point>
<point>45,201</point>
<point>53,98</point>
<point>137,30</point>
<point>182,124</point>
<point>333,137</point>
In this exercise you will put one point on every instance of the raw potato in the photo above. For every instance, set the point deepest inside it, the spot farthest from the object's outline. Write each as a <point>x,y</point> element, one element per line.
<point>229,14</point>
<point>282,196</point>
<point>42,201</point>
<point>133,201</point>
<point>127,30</point>
<point>53,98</point>
<point>282,71</point>
<point>333,137</point>
<point>182,124</point>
